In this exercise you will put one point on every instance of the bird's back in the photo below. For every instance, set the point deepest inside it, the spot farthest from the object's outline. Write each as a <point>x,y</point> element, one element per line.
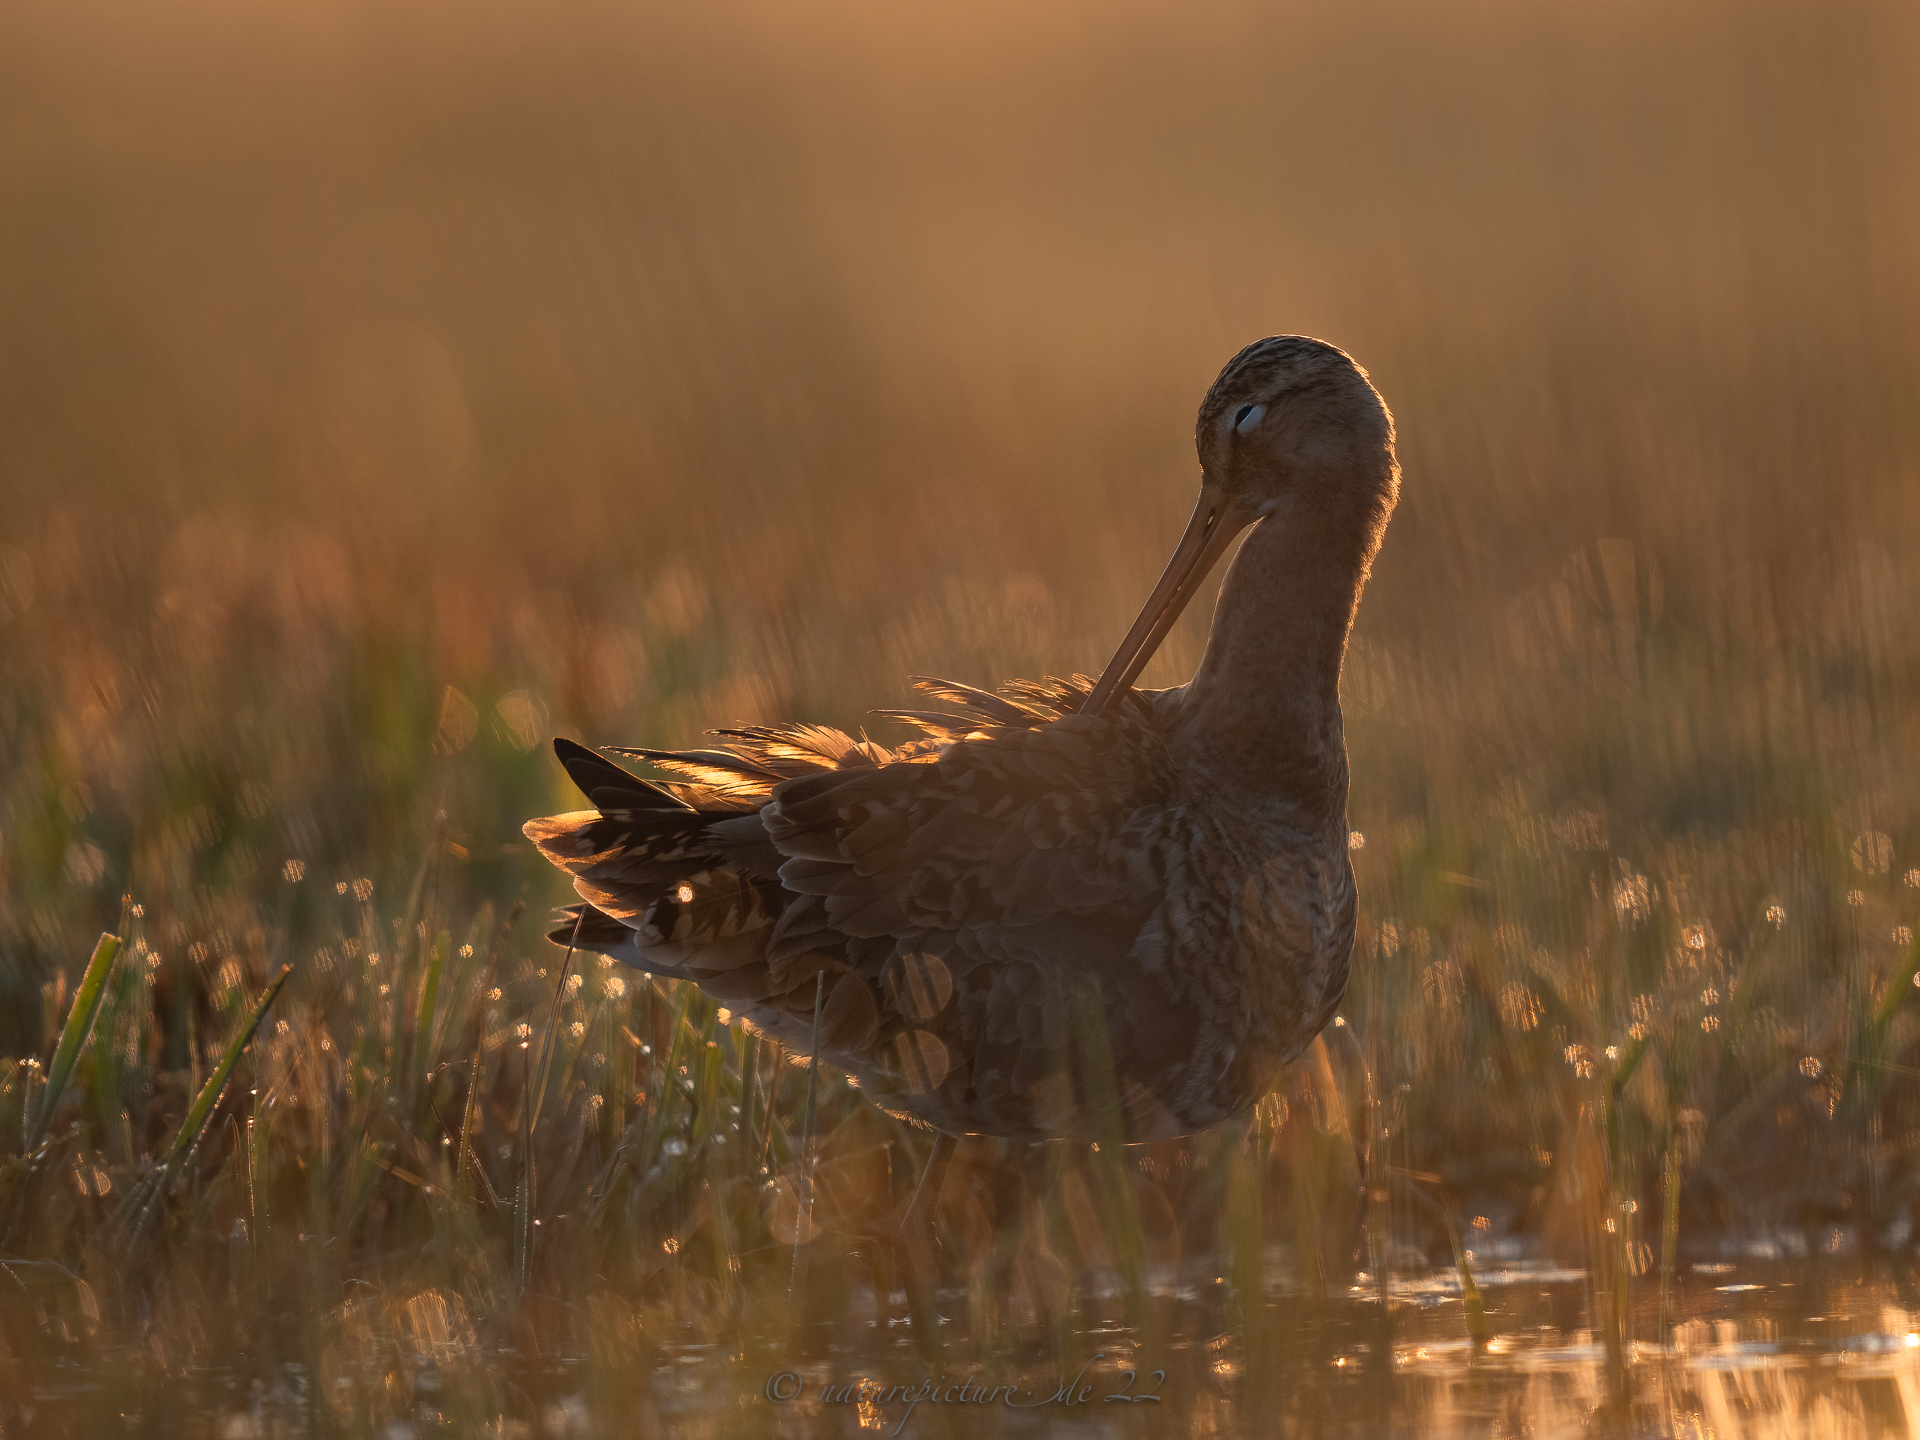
<point>1027,917</point>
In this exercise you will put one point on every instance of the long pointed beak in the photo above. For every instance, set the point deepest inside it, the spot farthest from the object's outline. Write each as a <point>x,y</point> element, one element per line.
<point>1216,520</point>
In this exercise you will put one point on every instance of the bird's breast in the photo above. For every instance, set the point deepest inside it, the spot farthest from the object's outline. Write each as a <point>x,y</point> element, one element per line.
<point>1255,926</point>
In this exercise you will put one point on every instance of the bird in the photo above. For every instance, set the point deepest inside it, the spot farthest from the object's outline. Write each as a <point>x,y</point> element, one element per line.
<point>1068,907</point>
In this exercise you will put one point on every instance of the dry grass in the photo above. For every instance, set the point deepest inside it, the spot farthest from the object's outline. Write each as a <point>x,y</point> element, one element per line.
<point>386,388</point>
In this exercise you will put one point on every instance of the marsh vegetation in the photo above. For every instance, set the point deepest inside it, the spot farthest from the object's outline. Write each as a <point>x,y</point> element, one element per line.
<point>388,388</point>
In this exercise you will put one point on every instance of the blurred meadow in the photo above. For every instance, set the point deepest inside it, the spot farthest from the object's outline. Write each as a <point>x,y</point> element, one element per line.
<point>385,389</point>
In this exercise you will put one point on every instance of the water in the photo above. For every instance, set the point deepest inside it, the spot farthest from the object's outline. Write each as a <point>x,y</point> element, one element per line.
<point>1752,1348</point>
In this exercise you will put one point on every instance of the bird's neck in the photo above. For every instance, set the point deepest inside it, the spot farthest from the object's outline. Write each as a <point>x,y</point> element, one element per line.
<point>1264,706</point>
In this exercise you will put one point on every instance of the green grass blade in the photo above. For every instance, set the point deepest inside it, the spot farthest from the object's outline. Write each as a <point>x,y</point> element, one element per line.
<point>665,1100</point>
<point>465,1157</point>
<point>27,1111</point>
<point>797,1282</point>
<point>538,1089</point>
<point>1897,989</point>
<point>140,1202</point>
<point>86,1005</point>
<point>1669,1229</point>
<point>1477,1327</point>
<point>1107,1123</point>
<point>423,1023</point>
<point>209,1095</point>
<point>536,1095</point>
<point>523,1198</point>
<point>749,1084</point>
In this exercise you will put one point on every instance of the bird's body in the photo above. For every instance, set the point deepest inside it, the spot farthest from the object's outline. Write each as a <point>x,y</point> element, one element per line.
<point>1066,897</point>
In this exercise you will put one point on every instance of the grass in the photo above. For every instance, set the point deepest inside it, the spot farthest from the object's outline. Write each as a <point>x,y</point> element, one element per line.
<point>386,393</point>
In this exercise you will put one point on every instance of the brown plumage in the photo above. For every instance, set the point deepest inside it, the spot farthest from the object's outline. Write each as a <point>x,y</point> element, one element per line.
<point>1064,895</point>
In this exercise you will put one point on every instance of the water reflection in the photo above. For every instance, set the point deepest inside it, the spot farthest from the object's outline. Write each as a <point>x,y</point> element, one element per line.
<point>1764,1350</point>
<point>1761,1349</point>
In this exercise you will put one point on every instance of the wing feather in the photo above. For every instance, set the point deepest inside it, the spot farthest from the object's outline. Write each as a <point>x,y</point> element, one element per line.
<point>994,857</point>
<point>994,708</point>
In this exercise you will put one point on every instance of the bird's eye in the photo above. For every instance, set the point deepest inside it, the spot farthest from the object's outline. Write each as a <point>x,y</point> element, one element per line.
<point>1247,416</point>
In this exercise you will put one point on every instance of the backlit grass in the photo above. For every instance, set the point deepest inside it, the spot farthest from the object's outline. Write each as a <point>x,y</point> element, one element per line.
<point>385,392</point>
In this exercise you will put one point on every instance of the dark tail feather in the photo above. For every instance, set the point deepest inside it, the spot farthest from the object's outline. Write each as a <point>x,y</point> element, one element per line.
<point>600,932</point>
<point>607,785</point>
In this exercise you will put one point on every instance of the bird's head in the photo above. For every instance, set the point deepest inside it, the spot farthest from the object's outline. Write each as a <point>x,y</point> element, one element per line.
<point>1291,426</point>
<point>1293,418</point>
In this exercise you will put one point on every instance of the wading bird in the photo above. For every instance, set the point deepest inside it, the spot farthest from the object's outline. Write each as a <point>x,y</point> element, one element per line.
<point>1072,905</point>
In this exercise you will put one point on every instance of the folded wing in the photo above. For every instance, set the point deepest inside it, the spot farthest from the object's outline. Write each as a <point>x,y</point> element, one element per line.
<point>956,901</point>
